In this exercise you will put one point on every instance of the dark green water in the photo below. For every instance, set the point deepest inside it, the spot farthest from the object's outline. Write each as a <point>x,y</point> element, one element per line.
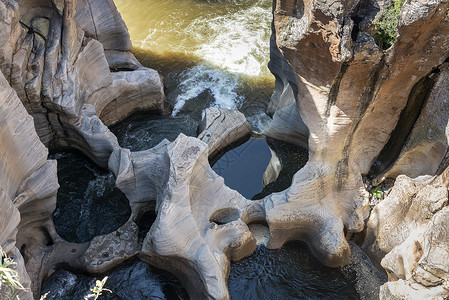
<point>289,273</point>
<point>144,131</point>
<point>292,273</point>
<point>88,203</point>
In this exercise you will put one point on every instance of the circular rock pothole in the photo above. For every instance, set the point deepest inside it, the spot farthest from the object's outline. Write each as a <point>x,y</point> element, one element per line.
<point>88,202</point>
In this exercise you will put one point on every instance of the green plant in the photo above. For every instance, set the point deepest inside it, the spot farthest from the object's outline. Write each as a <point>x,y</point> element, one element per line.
<point>377,192</point>
<point>9,277</point>
<point>98,289</point>
<point>386,24</point>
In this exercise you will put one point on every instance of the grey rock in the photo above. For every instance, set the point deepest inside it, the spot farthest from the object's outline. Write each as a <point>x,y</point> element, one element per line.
<point>222,127</point>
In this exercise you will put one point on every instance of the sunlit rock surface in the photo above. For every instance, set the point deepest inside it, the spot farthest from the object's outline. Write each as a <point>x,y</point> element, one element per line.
<point>199,227</point>
<point>360,110</point>
<point>28,183</point>
<point>53,55</point>
<point>368,111</point>
<point>407,235</point>
<point>55,58</point>
<point>350,95</point>
<point>221,128</point>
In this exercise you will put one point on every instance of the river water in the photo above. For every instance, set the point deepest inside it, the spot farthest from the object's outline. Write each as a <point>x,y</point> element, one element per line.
<point>211,53</point>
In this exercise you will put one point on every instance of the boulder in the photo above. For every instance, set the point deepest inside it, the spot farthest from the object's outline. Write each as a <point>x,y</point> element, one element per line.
<point>200,224</point>
<point>407,236</point>
<point>221,128</point>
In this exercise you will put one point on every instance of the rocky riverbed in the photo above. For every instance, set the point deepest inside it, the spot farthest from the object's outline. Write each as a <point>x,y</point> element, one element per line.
<point>361,109</point>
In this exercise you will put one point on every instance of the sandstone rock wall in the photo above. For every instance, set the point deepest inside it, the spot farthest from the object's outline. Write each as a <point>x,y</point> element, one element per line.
<point>28,182</point>
<point>63,64</point>
<point>368,111</point>
<point>70,62</point>
<point>68,65</point>
<point>407,236</point>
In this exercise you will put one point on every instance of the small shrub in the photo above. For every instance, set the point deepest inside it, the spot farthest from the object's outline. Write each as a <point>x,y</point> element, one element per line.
<point>9,278</point>
<point>377,192</point>
<point>98,289</point>
<point>386,25</point>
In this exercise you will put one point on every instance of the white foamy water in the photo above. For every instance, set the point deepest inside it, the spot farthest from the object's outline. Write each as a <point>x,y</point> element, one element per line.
<point>231,45</point>
<point>259,122</point>
<point>201,78</point>
<point>237,42</point>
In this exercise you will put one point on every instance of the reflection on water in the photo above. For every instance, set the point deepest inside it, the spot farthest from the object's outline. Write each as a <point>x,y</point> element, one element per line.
<point>211,53</point>
<point>88,203</point>
<point>292,158</point>
<point>242,167</point>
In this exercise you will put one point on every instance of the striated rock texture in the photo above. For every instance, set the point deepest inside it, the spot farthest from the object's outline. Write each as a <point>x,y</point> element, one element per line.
<point>407,234</point>
<point>201,223</point>
<point>70,64</point>
<point>220,128</point>
<point>365,111</point>
<point>28,182</point>
<point>359,109</point>
<point>66,72</point>
<point>199,227</point>
<point>359,104</point>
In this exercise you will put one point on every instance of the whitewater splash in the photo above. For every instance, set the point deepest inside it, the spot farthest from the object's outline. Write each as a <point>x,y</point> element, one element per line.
<point>231,47</point>
<point>238,43</point>
<point>200,78</point>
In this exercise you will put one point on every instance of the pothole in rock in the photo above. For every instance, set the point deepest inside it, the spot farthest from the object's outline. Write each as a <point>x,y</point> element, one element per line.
<point>88,202</point>
<point>292,158</point>
<point>225,215</point>
<point>144,131</point>
<point>243,166</point>
<point>293,273</point>
<point>130,280</point>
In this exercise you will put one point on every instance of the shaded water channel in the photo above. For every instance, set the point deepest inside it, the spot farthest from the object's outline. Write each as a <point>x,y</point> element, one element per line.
<point>211,53</point>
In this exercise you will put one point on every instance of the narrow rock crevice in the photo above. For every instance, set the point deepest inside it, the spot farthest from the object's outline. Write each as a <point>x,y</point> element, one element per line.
<point>332,99</point>
<point>407,119</point>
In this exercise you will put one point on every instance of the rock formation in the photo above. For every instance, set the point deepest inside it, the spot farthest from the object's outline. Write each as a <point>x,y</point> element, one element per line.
<point>199,227</point>
<point>407,235</point>
<point>64,65</point>
<point>368,111</point>
<point>67,73</point>
<point>70,64</point>
<point>221,128</point>
<point>201,223</point>
<point>28,182</point>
